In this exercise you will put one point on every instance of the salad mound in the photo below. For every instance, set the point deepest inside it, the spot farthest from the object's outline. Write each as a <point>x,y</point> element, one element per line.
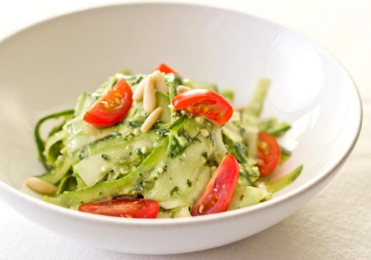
<point>161,146</point>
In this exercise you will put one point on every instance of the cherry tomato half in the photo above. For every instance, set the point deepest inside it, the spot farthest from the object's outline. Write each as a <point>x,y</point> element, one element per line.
<point>166,69</point>
<point>206,103</point>
<point>124,208</point>
<point>112,107</point>
<point>268,154</point>
<point>219,191</point>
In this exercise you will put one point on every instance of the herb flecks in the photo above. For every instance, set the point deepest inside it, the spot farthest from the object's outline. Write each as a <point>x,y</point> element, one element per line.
<point>211,139</point>
<point>161,131</point>
<point>138,151</point>
<point>82,156</point>
<point>104,156</point>
<point>134,124</point>
<point>174,190</point>
<point>183,132</point>
<point>175,148</point>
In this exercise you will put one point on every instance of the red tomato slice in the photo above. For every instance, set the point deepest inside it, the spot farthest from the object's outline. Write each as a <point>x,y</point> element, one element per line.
<point>111,108</point>
<point>219,190</point>
<point>166,69</point>
<point>124,208</point>
<point>269,153</point>
<point>206,103</point>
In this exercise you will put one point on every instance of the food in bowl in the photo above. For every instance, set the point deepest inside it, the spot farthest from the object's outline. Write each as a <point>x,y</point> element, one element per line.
<point>161,146</point>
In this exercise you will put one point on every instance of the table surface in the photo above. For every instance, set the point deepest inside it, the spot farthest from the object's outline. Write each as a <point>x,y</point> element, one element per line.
<point>336,224</point>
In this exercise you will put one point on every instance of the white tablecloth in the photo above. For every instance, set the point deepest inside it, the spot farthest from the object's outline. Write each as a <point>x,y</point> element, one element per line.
<point>334,225</point>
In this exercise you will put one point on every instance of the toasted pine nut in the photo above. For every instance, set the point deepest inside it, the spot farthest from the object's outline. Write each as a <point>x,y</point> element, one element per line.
<point>160,83</point>
<point>151,119</point>
<point>138,93</point>
<point>149,98</point>
<point>182,89</point>
<point>41,186</point>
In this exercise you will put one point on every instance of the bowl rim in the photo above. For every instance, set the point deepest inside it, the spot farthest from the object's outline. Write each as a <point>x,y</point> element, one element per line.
<point>208,218</point>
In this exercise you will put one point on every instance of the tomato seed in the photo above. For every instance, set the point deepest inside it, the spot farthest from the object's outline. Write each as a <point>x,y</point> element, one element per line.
<point>260,162</point>
<point>263,145</point>
<point>200,209</point>
<point>208,203</point>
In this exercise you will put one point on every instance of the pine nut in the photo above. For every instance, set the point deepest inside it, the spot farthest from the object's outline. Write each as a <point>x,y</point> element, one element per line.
<point>41,186</point>
<point>160,83</point>
<point>182,89</point>
<point>138,93</point>
<point>204,132</point>
<point>149,98</point>
<point>151,119</point>
<point>260,185</point>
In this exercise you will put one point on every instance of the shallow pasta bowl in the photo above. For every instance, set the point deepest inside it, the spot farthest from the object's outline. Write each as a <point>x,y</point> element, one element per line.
<point>44,68</point>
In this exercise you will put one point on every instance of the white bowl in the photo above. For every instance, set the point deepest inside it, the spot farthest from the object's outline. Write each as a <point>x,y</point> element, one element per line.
<point>45,67</point>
